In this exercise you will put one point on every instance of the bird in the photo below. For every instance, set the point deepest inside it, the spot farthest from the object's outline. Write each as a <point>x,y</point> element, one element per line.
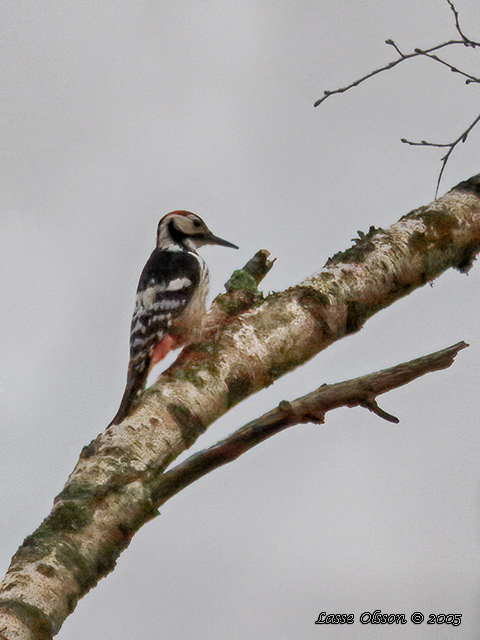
<point>170,301</point>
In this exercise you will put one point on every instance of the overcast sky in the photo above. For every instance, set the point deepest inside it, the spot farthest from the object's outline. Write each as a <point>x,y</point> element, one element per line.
<point>113,114</point>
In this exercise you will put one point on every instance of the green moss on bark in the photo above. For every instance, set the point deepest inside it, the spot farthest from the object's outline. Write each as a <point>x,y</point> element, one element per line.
<point>242,281</point>
<point>358,252</point>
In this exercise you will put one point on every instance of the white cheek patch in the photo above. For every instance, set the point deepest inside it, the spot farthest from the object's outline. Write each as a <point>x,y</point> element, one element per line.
<point>179,283</point>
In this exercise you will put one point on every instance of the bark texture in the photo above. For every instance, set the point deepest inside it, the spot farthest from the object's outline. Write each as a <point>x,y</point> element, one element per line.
<point>359,392</point>
<point>251,342</point>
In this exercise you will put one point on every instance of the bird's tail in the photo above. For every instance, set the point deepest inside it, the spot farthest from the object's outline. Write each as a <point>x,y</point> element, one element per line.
<point>136,379</point>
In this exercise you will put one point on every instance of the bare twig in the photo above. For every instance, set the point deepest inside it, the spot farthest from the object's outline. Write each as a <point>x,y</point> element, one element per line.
<point>402,57</point>
<point>430,54</point>
<point>470,78</point>
<point>468,42</point>
<point>312,407</point>
<point>449,145</point>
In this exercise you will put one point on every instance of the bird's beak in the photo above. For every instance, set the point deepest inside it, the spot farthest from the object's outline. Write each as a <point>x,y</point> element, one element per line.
<point>211,239</point>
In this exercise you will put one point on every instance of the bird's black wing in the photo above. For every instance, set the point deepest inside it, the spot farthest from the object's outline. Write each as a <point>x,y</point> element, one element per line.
<point>165,289</point>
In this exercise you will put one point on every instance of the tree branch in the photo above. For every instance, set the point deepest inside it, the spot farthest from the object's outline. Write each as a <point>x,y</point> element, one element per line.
<point>108,496</point>
<point>426,53</point>
<point>467,41</point>
<point>312,407</point>
<point>449,145</point>
<point>241,292</point>
<point>402,57</point>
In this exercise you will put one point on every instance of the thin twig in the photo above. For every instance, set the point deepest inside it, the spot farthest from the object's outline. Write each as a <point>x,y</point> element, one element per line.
<point>426,53</point>
<point>402,57</point>
<point>449,145</point>
<point>312,407</point>
<point>471,79</point>
<point>468,42</point>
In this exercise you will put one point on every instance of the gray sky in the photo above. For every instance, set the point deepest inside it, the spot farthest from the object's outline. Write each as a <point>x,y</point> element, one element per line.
<point>114,113</point>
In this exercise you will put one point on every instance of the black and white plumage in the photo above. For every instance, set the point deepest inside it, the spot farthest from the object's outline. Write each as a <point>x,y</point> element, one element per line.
<point>170,301</point>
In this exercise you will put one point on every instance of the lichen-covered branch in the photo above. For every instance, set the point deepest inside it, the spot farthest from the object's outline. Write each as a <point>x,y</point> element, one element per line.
<point>359,392</point>
<point>241,292</point>
<point>108,496</point>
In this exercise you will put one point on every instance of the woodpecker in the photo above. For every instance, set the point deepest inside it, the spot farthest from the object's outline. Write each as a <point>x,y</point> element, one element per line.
<point>170,301</point>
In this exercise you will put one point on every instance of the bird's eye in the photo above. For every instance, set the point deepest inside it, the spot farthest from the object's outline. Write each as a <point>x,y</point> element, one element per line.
<point>196,223</point>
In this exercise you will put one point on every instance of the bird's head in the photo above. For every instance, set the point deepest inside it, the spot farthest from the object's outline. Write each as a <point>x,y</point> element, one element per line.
<point>186,230</point>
